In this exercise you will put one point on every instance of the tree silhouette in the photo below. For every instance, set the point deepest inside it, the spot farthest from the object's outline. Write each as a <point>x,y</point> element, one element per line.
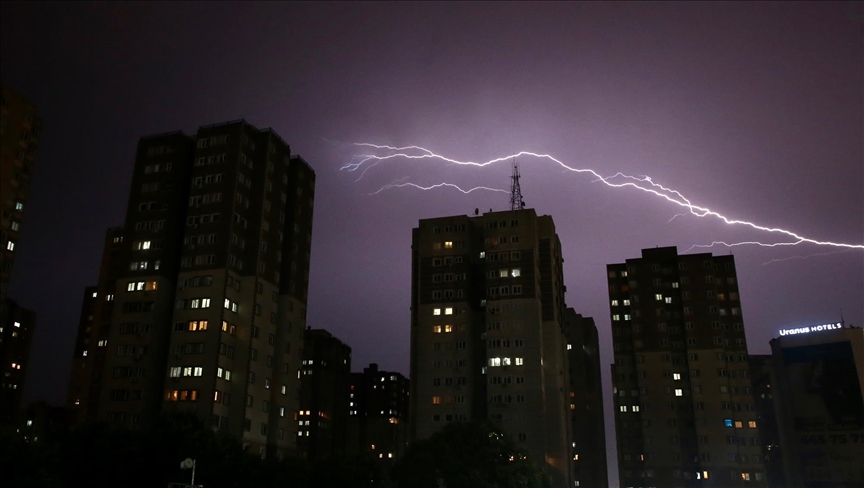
<point>468,455</point>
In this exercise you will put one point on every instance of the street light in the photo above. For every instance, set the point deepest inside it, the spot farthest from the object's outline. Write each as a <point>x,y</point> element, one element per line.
<point>189,463</point>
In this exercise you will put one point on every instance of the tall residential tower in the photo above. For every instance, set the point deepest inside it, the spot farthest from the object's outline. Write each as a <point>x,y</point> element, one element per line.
<point>684,406</point>
<point>211,289</point>
<point>487,331</point>
<point>586,401</point>
<point>20,133</point>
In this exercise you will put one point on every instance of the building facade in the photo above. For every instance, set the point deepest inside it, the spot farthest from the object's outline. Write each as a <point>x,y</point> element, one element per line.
<point>378,414</point>
<point>208,305</point>
<point>772,451</point>
<point>20,133</point>
<point>487,339</point>
<point>819,401</point>
<point>94,325</point>
<point>324,384</point>
<point>685,412</point>
<point>586,401</point>
<point>16,338</point>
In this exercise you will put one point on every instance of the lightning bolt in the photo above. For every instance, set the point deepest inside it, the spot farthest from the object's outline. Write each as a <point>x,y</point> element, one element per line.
<point>745,243</point>
<point>618,180</point>
<point>806,256</point>
<point>397,184</point>
<point>675,216</point>
<point>364,158</point>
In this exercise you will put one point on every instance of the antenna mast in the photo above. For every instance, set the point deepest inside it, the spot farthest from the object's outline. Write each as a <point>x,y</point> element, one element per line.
<point>516,201</point>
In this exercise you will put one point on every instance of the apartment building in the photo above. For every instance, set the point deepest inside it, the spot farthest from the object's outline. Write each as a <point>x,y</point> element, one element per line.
<point>94,325</point>
<point>685,411</point>
<point>20,133</point>
<point>487,334</point>
<point>378,414</point>
<point>586,401</point>
<point>763,393</point>
<point>208,307</point>
<point>16,338</point>
<point>324,384</point>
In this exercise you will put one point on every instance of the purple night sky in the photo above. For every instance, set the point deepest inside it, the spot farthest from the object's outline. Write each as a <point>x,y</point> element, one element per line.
<point>753,110</point>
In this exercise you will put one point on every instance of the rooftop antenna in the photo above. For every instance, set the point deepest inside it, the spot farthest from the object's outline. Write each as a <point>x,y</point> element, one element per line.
<point>516,201</point>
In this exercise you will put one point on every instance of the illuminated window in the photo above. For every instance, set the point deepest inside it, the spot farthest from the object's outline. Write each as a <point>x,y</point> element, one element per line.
<point>196,325</point>
<point>745,476</point>
<point>616,317</point>
<point>448,311</point>
<point>626,303</point>
<point>659,297</point>
<point>436,400</point>
<point>614,303</point>
<point>635,408</point>
<point>505,362</point>
<point>751,424</point>
<point>668,299</point>
<point>623,408</point>
<point>436,329</point>
<point>448,245</point>
<point>739,424</point>
<point>447,328</point>
<point>569,346</point>
<point>502,273</point>
<point>516,272</point>
<point>436,311</point>
<point>151,286</point>
<point>10,246</point>
<point>727,422</point>
<point>676,376</point>
<point>518,361</point>
<point>679,392</point>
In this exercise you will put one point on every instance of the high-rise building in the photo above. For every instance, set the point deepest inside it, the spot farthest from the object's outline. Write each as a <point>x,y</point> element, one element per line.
<point>586,401</point>
<point>211,289</point>
<point>324,384</point>
<point>378,414</point>
<point>684,408</point>
<point>763,394</point>
<point>94,325</point>
<point>487,339</point>
<point>17,325</point>
<point>20,130</point>
<point>817,374</point>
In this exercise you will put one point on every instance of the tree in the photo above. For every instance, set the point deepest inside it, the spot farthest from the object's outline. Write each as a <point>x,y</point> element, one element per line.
<point>468,455</point>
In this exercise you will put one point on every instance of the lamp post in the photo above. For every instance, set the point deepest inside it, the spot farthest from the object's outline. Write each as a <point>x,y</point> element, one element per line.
<point>189,463</point>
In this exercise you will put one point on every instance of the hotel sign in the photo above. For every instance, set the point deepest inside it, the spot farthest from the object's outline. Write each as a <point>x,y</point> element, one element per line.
<point>812,328</point>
